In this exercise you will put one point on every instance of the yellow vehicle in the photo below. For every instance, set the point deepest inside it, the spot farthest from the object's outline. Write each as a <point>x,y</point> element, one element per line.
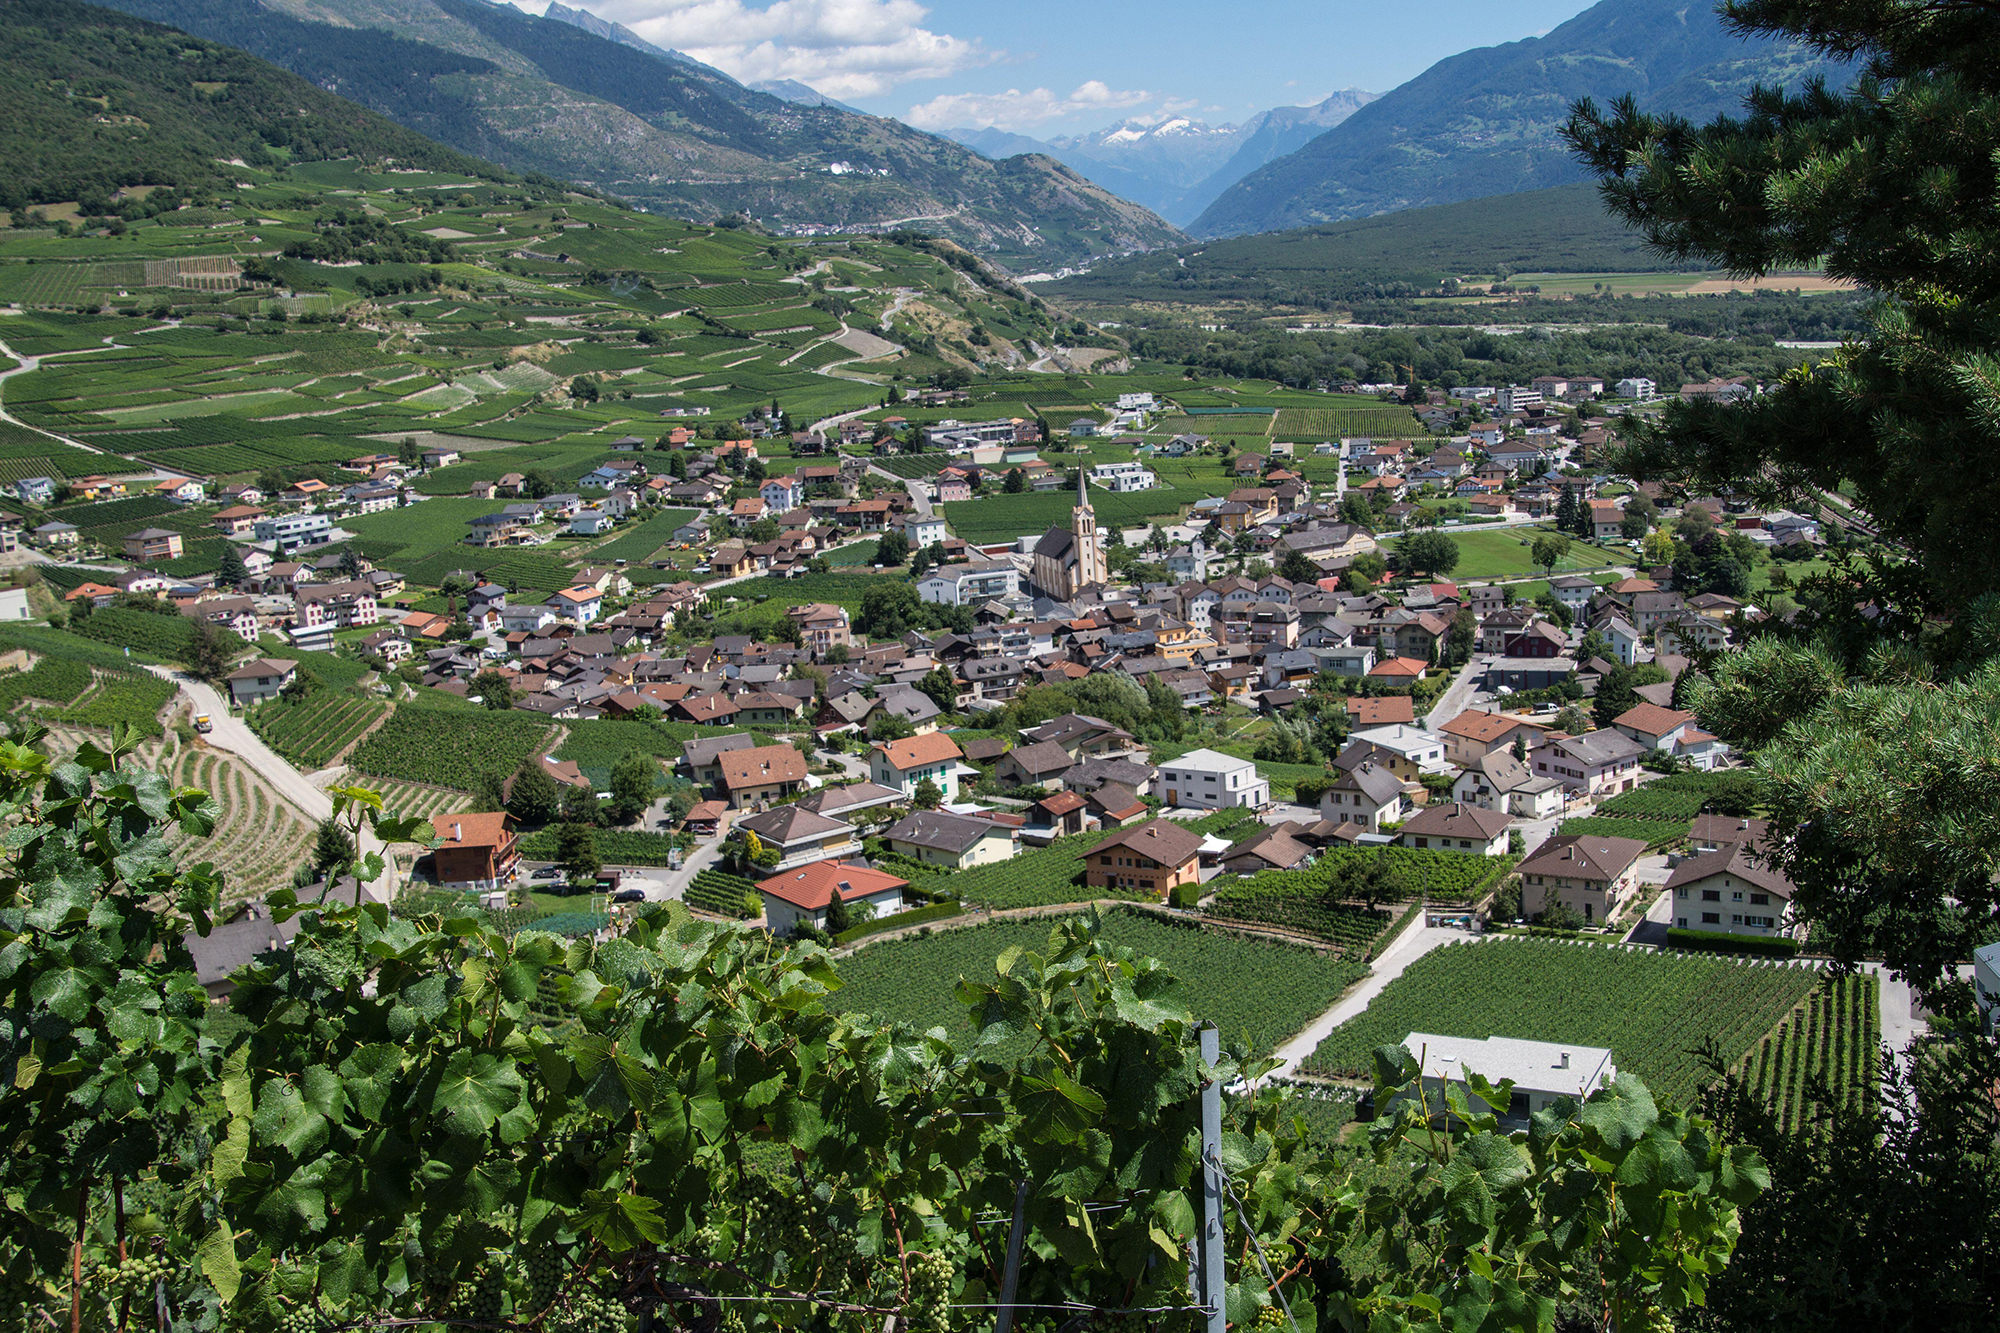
<point>202,723</point>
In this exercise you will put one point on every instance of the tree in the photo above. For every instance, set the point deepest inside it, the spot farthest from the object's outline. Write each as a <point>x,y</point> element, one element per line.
<point>536,797</point>
<point>1166,715</point>
<point>495,691</point>
<point>1549,550</point>
<point>1294,567</point>
<point>1462,639</point>
<point>941,688</point>
<point>1552,606</point>
<point>537,484</point>
<point>634,780</point>
<point>1618,690</point>
<point>231,571</point>
<point>1567,506</point>
<point>1017,482</point>
<point>838,918</point>
<point>579,805</point>
<point>1429,553</point>
<point>891,548</point>
<point>889,609</point>
<point>1573,720</point>
<point>927,795</point>
<point>333,848</point>
<point>1657,547</point>
<point>576,853</point>
<point>1370,565</point>
<point>889,726</point>
<point>1355,509</point>
<point>211,650</point>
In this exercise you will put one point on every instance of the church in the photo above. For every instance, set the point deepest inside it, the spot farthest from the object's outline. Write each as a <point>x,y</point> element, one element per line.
<point>1069,560</point>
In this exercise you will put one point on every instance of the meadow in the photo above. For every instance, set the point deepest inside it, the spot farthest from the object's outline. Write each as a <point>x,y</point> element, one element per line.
<point>1506,553</point>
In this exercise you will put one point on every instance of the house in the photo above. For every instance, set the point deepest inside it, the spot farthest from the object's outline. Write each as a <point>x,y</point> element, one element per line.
<point>1409,751</point>
<point>1387,711</point>
<point>1597,763</point>
<point>763,773</point>
<point>35,490</point>
<point>760,708</point>
<point>581,603</point>
<point>1476,733</point>
<point>1731,891</point>
<point>1039,764</point>
<point>1155,856</point>
<point>903,765</point>
<point>475,851</point>
<point>970,585</point>
<point>703,756</point>
<point>1589,875</point>
<point>937,837</point>
<point>294,530</point>
<point>150,544</point>
<point>1499,781</point>
<point>1399,672</point>
<point>262,679</point>
<point>1456,827</point>
<point>1206,780</point>
<point>1542,1072</point>
<point>1276,848</point>
<point>181,490</point>
<point>1573,591</point>
<point>591,522</point>
<point>440,457</point>
<point>1367,794</point>
<point>1986,985</point>
<point>1082,737</point>
<point>57,534</point>
<point>237,520</point>
<point>823,626</point>
<point>1654,727</point>
<point>923,530</point>
<point>780,494</point>
<point>801,837</point>
<point>1056,816</point>
<point>803,895</point>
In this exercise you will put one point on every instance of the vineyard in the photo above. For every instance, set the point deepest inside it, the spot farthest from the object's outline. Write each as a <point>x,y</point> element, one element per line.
<point>1655,833</point>
<point>1256,991</point>
<point>52,679</point>
<point>313,732</point>
<point>259,839</point>
<point>163,636</point>
<point>615,847</point>
<point>1653,1010</point>
<point>911,467</point>
<point>133,701</point>
<point>1682,796</point>
<point>1352,926</point>
<point>449,747</point>
<point>1333,423</point>
<point>1833,1036</point>
<point>720,893</point>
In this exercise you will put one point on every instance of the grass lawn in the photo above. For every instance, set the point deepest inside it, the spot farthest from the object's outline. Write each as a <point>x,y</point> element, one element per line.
<point>1504,553</point>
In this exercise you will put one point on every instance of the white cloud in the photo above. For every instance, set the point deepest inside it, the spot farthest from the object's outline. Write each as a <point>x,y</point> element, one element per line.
<point>1016,110</point>
<point>843,48</point>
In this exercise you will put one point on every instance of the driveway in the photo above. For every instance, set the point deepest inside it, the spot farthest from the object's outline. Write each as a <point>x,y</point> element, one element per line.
<point>1458,694</point>
<point>1415,941</point>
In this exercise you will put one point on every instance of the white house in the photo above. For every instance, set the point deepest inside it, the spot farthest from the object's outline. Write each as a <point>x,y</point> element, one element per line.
<point>1541,1071</point>
<point>805,894</point>
<point>262,679</point>
<point>582,603</point>
<point>290,530</point>
<point>591,522</point>
<point>1122,477</point>
<point>923,529</point>
<point>1366,794</point>
<point>1206,780</point>
<point>1597,763</point>
<point>1573,591</point>
<point>781,494</point>
<point>964,585</point>
<point>526,618</point>
<point>1638,390</point>
<point>902,766</point>
<point>1456,827</point>
<point>1732,892</point>
<point>1425,749</point>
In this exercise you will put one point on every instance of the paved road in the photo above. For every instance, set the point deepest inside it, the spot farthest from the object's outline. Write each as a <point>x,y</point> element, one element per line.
<point>233,735</point>
<point>1458,694</point>
<point>1412,944</point>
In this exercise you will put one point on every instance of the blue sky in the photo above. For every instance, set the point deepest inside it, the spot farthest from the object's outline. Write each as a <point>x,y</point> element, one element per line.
<point>1047,67</point>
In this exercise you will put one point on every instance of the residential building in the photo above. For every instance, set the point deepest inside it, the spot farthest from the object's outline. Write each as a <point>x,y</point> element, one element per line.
<point>937,837</point>
<point>1986,986</point>
<point>1499,781</point>
<point>582,604</point>
<point>800,836</point>
<point>36,490</point>
<point>1207,780</point>
<point>762,773</point>
<point>924,530</point>
<point>1597,763</point>
<point>262,679</point>
<point>803,895</point>
<point>970,585</point>
<point>1124,477</point>
<point>903,765</point>
<point>1637,389</point>
<point>475,851</point>
<point>1731,891</point>
<point>1542,1072</point>
<point>1476,733</point>
<point>1276,848</point>
<point>237,520</point>
<point>1590,875</point>
<point>1040,764</point>
<point>703,756</point>
<point>149,544</point>
<point>1367,794</point>
<point>1418,750</point>
<point>291,531</point>
<point>1456,827</point>
<point>823,627</point>
<point>14,604</point>
<point>57,534</point>
<point>1154,856</point>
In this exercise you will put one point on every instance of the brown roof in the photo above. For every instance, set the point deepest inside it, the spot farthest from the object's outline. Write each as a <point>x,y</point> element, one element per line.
<point>1399,666</point>
<point>1576,857</point>
<point>470,830</point>
<point>263,666</point>
<point>1652,719</point>
<point>761,766</point>
<point>914,751</point>
<point>1478,725</point>
<point>1365,713</point>
<point>1061,803</point>
<point>1160,840</point>
<point>811,887</point>
<point>1455,819</point>
<point>1734,859</point>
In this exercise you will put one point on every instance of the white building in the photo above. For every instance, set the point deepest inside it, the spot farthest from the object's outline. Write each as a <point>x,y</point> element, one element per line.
<point>291,530</point>
<point>1638,390</point>
<point>1986,985</point>
<point>1517,399</point>
<point>1205,780</point>
<point>1130,402</point>
<point>1541,1071</point>
<point>14,604</point>
<point>1123,477</point>
<point>1425,749</point>
<point>964,585</point>
<point>923,529</point>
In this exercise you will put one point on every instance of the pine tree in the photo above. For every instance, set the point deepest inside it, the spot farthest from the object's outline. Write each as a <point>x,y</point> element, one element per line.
<point>231,571</point>
<point>838,918</point>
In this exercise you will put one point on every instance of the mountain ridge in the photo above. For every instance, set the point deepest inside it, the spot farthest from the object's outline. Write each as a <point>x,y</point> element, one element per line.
<point>1486,121</point>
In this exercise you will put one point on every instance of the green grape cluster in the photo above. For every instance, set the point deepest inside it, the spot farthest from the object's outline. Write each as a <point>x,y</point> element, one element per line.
<point>301,1318</point>
<point>588,1310</point>
<point>931,1282</point>
<point>489,1291</point>
<point>1270,1316</point>
<point>545,1269</point>
<point>795,1222</point>
<point>137,1275</point>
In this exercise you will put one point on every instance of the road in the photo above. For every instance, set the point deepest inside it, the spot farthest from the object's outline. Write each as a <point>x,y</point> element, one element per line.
<point>1415,941</point>
<point>1457,694</point>
<point>233,734</point>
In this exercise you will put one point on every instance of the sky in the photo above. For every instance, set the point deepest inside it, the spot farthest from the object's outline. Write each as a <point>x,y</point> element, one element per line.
<point>1054,67</point>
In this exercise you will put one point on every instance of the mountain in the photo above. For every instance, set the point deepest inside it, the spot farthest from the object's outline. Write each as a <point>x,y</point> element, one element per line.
<point>1486,121</point>
<point>1563,229</point>
<point>576,98</point>
<point>95,101</point>
<point>1176,167</point>
<point>791,90</point>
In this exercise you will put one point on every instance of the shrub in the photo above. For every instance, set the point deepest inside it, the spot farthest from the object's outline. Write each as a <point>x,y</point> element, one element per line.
<point>1715,941</point>
<point>898,920</point>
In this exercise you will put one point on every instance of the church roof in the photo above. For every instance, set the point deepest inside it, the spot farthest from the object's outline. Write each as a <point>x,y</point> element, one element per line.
<point>1056,543</point>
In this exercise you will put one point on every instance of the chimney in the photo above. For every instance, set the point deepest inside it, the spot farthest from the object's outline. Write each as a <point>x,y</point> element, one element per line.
<point>1565,1063</point>
<point>456,834</point>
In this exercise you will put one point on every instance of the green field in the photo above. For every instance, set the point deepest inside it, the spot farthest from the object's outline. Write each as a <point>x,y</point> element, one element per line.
<point>1258,992</point>
<point>1504,554</point>
<point>1653,1010</point>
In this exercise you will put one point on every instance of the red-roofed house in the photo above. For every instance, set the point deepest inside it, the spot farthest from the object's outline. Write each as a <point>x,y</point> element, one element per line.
<point>1398,671</point>
<point>903,765</point>
<point>475,851</point>
<point>761,773</point>
<point>806,893</point>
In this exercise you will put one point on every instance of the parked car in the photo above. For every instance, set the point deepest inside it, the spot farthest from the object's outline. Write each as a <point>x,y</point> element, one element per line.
<point>629,896</point>
<point>700,569</point>
<point>548,872</point>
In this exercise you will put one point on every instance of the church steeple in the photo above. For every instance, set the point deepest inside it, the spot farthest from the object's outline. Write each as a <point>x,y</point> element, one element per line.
<point>1083,527</point>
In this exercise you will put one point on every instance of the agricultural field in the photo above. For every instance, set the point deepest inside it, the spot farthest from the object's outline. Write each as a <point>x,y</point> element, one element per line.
<point>1055,873</point>
<point>414,798</point>
<point>313,732</point>
<point>1653,1010</point>
<point>1655,833</point>
<point>1258,992</point>
<point>615,847</point>
<point>1351,416</point>
<point>450,747</point>
<point>1503,554</point>
<point>721,893</point>
<point>259,839</point>
<point>1834,1035</point>
<point>52,680</point>
<point>118,699</point>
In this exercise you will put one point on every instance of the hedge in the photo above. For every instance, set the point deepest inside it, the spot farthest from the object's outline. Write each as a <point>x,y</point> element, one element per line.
<point>896,921</point>
<point>1714,941</point>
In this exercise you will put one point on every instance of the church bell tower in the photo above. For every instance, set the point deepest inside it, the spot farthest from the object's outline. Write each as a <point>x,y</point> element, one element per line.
<point>1090,570</point>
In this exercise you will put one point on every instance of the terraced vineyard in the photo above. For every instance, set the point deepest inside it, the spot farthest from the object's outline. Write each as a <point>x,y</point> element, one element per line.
<point>719,892</point>
<point>313,732</point>
<point>260,838</point>
<point>132,700</point>
<point>1834,1036</point>
<point>1653,1011</point>
<point>449,747</point>
<point>414,798</point>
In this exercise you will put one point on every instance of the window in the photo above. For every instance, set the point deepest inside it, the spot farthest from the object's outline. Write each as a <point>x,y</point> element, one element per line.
<point>1736,897</point>
<point>1711,895</point>
<point>1711,918</point>
<point>1760,899</point>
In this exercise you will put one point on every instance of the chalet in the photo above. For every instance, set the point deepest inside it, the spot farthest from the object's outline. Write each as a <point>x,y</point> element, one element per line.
<point>804,895</point>
<point>1155,856</point>
<point>1589,875</point>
